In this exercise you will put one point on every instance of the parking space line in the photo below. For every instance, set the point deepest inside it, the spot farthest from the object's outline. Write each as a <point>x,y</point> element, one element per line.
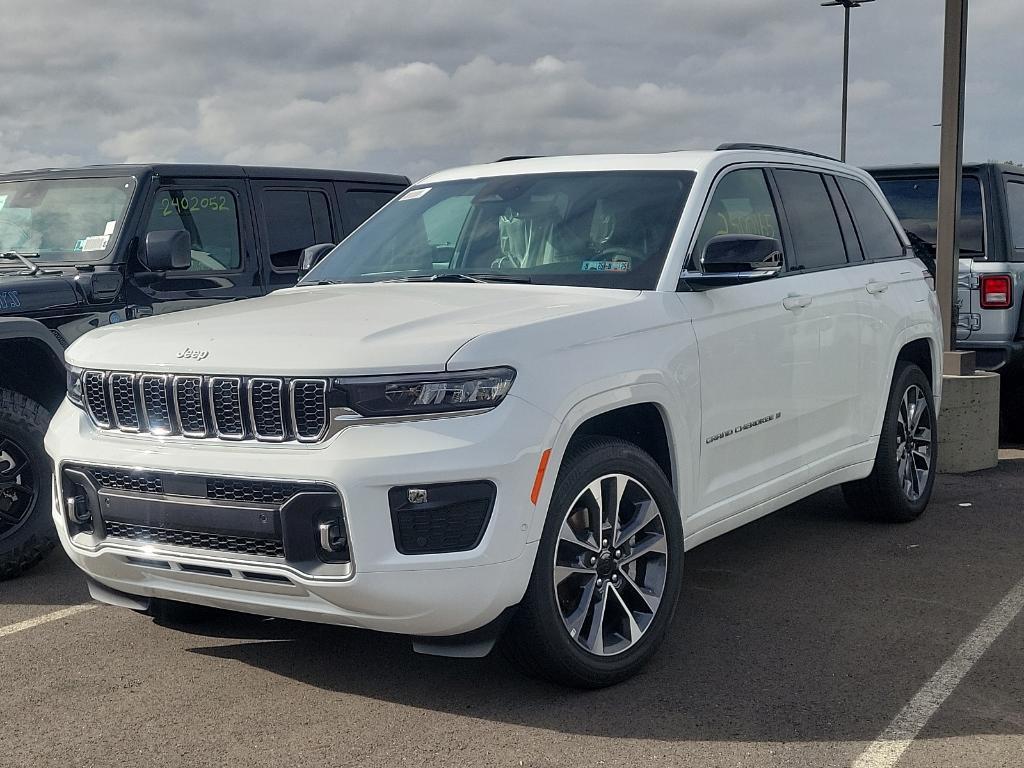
<point>45,618</point>
<point>894,740</point>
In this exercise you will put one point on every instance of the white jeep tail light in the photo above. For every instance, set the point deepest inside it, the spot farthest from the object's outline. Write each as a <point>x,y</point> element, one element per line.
<point>996,291</point>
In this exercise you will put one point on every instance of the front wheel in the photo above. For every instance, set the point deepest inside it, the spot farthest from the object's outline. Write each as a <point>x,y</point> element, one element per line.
<point>900,485</point>
<point>26,527</point>
<point>608,570</point>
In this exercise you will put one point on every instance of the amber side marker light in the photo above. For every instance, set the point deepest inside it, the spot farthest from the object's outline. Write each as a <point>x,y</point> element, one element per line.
<point>539,480</point>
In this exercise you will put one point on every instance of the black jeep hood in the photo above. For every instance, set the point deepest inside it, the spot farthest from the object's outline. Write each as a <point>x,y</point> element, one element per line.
<point>22,294</point>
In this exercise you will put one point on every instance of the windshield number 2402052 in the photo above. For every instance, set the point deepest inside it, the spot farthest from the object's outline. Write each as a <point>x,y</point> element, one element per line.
<point>179,204</point>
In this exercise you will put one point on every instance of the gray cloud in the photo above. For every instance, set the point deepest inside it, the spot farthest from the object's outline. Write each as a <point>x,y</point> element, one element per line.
<point>414,86</point>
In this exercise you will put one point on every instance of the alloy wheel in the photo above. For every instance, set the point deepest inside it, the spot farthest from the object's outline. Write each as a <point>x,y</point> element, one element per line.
<point>18,488</point>
<point>913,442</point>
<point>610,565</point>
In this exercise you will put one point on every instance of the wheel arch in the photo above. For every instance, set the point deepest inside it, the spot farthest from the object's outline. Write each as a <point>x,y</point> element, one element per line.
<point>639,414</point>
<point>917,345</point>
<point>31,361</point>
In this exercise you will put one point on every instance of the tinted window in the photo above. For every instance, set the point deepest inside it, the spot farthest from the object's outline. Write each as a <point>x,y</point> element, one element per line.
<point>817,241</point>
<point>877,235</point>
<point>916,203</point>
<point>210,216</point>
<point>740,205</point>
<point>362,204</point>
<point>296,219</point>
<point>1015,204</point>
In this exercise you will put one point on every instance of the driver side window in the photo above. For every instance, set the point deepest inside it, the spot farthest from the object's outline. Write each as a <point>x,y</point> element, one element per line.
<point>210,216</point>
<point>740,205</point>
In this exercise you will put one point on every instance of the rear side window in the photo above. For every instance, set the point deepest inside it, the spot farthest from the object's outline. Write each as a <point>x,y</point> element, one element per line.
<point>740,205</point>
<point>877,235</point>
<point>1015,204</point>
<point>817,239</point>
<point>296,219</point>
<point>361,204</point>
<point>916,203</point>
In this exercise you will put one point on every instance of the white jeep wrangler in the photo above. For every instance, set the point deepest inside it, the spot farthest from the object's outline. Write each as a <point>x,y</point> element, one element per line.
<point>509,402</point>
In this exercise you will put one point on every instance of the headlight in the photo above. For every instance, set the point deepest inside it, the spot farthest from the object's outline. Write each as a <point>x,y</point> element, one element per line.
<point>423,394</point>
<point>75,386</point>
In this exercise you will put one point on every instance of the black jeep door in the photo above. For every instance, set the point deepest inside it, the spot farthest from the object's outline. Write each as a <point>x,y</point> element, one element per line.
<point>217,214</point>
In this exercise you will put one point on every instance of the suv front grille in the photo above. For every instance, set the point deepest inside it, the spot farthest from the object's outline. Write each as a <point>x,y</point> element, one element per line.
<point>226,407</point>
<point>196,540</point>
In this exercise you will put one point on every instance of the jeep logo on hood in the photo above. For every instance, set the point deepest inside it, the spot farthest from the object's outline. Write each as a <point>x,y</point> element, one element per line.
<point>193,354</point>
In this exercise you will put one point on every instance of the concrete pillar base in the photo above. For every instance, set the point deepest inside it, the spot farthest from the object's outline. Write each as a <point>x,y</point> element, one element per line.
<point>969,423</point>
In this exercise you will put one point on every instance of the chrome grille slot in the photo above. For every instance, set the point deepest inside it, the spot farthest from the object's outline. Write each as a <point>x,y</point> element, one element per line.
<point>124,402</point>
<point>264,408</point>
<point>189,405</point>
<point>267,409</point>
<point>155,404</point>
<point>94,386</point>
<point>308,409</point>
<point>226,407</point>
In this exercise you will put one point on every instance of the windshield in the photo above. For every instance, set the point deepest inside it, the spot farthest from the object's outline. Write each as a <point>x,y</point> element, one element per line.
<point>603,229</point>
<point>63,219</point>
<point>916,203</point>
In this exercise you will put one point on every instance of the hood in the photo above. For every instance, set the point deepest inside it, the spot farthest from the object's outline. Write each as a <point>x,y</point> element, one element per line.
<point>22,294</point>
<point>333,329</point>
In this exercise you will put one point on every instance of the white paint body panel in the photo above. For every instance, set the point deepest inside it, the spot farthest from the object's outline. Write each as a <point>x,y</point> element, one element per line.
<point>708,361</point>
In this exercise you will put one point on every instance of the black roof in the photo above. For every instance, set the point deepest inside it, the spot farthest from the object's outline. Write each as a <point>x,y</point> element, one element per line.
<point>196,169</point>
<point>933,168</point>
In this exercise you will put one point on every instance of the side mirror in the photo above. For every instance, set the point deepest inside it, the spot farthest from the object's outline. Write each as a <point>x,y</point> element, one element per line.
<point>735,260</point>
<point>167,249</point>
<point>313,255</point>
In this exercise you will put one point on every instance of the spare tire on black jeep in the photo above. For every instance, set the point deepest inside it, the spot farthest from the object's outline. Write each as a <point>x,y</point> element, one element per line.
<point>26,528</point>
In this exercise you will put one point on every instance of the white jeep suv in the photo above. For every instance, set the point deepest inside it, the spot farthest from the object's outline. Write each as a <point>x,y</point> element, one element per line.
<point>509,402</point>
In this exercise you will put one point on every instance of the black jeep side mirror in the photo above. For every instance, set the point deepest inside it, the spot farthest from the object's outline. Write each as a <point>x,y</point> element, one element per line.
<point>735,260</point>
<point>741,253</point>
<point>313,255</point>
<point>167,249</point>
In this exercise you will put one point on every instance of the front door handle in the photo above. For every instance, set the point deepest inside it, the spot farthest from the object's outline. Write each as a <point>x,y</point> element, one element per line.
<point>875,287</point>
<point>793,302</point>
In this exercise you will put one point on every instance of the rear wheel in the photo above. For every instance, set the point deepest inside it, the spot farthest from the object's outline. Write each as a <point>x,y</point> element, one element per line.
<point>900,485</point>
<point>26,528</point>
<point>608,569</point>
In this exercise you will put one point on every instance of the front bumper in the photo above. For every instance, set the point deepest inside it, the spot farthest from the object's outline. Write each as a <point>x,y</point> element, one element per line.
<point>382,589</point>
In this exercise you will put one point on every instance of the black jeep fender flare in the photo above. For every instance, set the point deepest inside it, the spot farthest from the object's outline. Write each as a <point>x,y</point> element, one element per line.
<point>42,375</point>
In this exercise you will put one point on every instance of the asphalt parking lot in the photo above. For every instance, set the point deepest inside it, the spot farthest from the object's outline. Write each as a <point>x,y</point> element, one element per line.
<point>798,641</point>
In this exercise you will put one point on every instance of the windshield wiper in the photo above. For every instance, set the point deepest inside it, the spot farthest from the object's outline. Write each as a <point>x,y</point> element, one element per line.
<point>23,258</point>
<point>463,277</point>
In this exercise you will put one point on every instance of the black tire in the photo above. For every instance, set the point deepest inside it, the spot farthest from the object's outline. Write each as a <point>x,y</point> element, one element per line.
<point>26,528</point>
<point>881,495</point>
<point>537,639</point>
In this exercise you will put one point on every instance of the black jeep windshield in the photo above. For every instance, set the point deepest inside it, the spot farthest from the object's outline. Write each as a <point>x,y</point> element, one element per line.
<point>603,229</point>
<point>63,219</point>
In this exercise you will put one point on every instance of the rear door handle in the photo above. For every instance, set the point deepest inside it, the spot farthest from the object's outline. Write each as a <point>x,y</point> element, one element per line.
<point>874,286</point>
<point>794,301</point>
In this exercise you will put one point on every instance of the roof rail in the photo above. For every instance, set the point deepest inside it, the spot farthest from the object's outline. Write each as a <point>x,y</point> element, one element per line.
<point>516,157</point>
<point>770,148</point>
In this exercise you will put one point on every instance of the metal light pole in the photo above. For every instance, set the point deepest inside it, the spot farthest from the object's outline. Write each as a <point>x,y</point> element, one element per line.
<point>847,5</point>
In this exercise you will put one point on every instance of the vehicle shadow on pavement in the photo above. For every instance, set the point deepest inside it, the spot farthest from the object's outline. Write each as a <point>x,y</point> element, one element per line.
<point>810,624</point>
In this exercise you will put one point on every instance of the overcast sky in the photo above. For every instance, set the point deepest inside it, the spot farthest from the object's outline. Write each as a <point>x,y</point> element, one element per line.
<point>416,86</point>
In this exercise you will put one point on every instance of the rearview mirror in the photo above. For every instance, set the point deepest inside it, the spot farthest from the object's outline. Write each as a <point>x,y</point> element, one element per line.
<point>167,249</point>
<point>735,260</point>
<point>313,255</point>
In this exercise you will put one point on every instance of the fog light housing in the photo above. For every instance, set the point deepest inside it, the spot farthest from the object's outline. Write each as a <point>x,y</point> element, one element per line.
<point>430,519</point>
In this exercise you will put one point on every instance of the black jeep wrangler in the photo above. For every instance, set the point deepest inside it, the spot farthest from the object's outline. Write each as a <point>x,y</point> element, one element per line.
<point>83,247</point>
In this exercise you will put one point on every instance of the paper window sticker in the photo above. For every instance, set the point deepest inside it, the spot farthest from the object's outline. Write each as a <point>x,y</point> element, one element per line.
<point>414,194</point>
<point>109,229</point>
<point>95,243</point>
<point>3,201</point>
<point>80,245</point>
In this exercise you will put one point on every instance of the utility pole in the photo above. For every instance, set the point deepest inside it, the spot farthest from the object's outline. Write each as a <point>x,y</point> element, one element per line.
<point>951,155</point>
<point>846,5</point>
